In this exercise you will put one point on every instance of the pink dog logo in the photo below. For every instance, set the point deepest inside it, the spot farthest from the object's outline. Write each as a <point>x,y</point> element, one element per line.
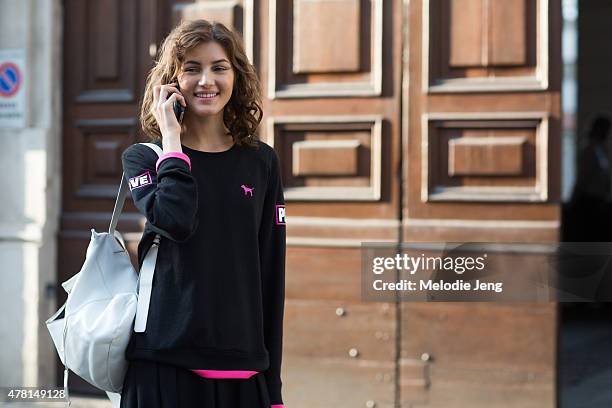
<point>247,190</point>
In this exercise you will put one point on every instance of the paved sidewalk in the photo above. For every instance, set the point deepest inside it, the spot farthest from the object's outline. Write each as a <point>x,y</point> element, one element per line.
<point>76,402</point>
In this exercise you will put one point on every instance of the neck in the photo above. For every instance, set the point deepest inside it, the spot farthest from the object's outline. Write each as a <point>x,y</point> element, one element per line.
<point>206,133</point>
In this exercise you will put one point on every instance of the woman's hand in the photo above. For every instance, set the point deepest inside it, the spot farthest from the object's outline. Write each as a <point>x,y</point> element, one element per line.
<point>164,97</point>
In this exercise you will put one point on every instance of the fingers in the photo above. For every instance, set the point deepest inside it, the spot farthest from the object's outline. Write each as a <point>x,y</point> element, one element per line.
<point>165,116</point>
<point>163,94</point>
<point>172,89</point>
<point>181,99</point>
<point>156,89</point>
<point>170,101</point>
<point>157,93</point>
<point>164,97</point>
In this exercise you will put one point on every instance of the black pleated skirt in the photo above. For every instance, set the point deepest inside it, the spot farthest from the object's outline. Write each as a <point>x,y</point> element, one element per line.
<point>150,384</point>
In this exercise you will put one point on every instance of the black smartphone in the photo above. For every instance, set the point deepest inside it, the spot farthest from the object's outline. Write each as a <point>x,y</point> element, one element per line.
<point>179,110</point>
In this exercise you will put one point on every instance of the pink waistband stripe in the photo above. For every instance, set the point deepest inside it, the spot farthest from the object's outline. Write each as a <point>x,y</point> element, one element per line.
<point>220,374</point>
<point>177,155</point>
<point>225,373</point>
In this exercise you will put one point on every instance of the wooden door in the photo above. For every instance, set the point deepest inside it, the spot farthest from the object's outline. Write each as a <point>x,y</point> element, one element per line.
<point>481,132</point>
<point>106,57</point>
<point>332,74</point>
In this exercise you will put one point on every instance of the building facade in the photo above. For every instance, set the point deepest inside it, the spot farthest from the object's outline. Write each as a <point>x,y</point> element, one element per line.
<point>395,121</point>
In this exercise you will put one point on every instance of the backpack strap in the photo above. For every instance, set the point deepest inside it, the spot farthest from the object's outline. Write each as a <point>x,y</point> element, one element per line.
<point>145,277</point>
<point>119,202</point>
<point>145,286</point>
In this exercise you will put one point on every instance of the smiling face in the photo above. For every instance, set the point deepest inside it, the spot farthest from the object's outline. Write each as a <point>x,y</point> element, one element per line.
<point>206,79</point>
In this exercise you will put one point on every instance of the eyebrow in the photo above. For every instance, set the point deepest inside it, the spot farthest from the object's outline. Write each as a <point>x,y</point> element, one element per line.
<point>214,62</point>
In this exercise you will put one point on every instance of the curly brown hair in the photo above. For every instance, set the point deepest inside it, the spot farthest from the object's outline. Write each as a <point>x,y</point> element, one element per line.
<point>243,113</point>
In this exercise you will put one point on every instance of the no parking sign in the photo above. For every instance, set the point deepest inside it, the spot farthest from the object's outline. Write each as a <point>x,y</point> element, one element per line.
<point>12,89</point>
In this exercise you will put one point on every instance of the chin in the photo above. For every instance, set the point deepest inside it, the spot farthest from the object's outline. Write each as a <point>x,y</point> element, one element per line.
<point>202,112</point>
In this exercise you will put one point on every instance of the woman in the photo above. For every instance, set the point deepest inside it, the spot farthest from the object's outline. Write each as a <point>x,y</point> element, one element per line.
<point>214,329</point>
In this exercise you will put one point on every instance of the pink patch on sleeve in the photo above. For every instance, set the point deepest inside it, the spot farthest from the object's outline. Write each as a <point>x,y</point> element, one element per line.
<point>140,181</point>
<point>280,215</point>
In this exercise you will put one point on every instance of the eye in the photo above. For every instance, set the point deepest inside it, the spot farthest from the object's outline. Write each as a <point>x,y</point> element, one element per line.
<point>220,68</point>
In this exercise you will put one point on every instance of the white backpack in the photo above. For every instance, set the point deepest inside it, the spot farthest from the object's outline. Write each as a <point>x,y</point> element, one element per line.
<point>106,299</point>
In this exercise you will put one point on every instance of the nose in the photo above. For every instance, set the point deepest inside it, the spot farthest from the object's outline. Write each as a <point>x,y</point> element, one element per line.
<point>204,79</point>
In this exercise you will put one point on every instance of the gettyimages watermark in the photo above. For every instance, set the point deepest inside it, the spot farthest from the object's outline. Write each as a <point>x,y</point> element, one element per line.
<point>454,272</point>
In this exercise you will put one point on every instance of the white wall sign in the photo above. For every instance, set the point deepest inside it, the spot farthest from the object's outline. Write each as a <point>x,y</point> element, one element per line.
<point>12,88</point>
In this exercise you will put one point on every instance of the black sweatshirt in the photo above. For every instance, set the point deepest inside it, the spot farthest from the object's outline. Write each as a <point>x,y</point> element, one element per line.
<point>218,291</point>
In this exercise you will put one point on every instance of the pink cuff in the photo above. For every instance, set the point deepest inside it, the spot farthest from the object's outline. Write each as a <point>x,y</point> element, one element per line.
<point>177,155</point>
<point>277,406</point>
